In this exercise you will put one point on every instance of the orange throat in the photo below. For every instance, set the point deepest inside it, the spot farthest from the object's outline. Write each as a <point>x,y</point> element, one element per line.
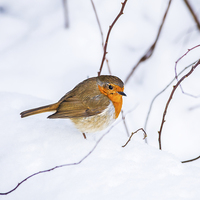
<point>116,99</point>
<point>118,106</point>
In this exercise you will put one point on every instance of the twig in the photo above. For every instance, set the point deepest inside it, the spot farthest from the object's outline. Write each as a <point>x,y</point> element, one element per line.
<point>99,24</point>
<point>60,166</point>
<point>176,76</point>
<point>186,161</point>
<point>194,107</point>
<point>107,62</point>
<point>193,14</point>
<point>176,70</point>
<point>108,34</point>
<point>101,32</point>
<point>151,105</point>
<point>170,98</point>
<point>124,121</point>
<point>150,51</point>
<point>66,15</point>
<point>140,129</point>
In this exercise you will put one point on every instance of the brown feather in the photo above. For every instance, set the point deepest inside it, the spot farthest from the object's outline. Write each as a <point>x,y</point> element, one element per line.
<point>42,109</point>
<point>80,103</point>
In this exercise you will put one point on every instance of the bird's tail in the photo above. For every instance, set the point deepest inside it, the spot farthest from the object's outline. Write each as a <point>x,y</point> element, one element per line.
<point>48,108</point>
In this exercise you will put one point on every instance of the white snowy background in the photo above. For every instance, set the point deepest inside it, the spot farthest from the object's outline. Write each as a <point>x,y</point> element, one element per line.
<point>40,61</point>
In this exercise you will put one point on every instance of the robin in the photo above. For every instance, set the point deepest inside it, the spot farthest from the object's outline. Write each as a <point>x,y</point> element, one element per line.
<point>92,105</point>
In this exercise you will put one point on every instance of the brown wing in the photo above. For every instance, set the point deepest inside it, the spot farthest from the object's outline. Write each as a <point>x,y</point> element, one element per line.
<point>83,101</point>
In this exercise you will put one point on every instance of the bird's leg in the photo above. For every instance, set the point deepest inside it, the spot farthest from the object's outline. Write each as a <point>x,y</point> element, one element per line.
<point>84,135</point>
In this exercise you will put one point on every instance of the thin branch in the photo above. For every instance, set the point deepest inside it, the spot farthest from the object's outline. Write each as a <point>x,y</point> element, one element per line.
<point>193,14</point>
<point>124,121</point>
<point>108,34</point>
<point>170,98</point>
<point>176,70</point>
<point>60,166</point>
<point>194,107</point>
<point>186,161</point>
<point>140,129</point>
<point>150,51</point>
<point>151,105</point>
<point>101,32</point>
<point>181,58</point>
<point>66,13</point>
<point>107,62</point>
<point>98,22</point>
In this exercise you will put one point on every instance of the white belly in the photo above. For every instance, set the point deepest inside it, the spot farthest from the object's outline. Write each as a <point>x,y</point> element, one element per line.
<point>97,122</point>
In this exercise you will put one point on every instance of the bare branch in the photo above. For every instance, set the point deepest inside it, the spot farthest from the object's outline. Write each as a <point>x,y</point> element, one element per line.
<point>186,161</point>
<point>101,32</point>
<point>170,98</point>
<point>150,51</point>
<point>157,95</point>
<point>60,166</point>
<point>66,13</point>
<point>140,129</point>
<point>99,25</point>
<point>176,71</point>
<point>124,121</point>
<point>193,14</point>
<point>108,34</point>
<point>194,107</point>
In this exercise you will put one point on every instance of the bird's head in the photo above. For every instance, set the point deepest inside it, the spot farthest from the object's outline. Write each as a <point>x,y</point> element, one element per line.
<point>111,86</point>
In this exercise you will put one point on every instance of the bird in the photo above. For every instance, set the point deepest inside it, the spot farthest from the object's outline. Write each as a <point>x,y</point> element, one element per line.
<point>92,105</point>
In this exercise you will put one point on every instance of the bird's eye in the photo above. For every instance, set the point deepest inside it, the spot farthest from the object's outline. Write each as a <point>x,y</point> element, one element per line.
<point>110,87</point>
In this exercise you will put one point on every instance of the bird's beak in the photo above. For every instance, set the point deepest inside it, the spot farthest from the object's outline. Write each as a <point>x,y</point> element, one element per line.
<point>122,93</point>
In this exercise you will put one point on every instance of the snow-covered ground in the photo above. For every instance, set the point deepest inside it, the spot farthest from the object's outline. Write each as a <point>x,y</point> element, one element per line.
<point>40,61</point>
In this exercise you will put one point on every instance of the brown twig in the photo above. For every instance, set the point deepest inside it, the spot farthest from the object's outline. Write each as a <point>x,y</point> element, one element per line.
<point>108,34</point>
<point>60,166</point>
<point>170,98</point>
<point>66,14</point>
<point>186,161</point>
<point>176,70</point>
<point>150,51</point>
<point>69,164</point>
<point>101,32</point>
<point>155,97</point>
<point>193,13</point>
<point>125,125</point>
<point>140,129</point>
<point>194,107</point>
<point>98,22</point>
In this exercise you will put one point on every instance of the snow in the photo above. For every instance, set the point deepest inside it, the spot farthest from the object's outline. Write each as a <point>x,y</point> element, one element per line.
<point>40,61</point>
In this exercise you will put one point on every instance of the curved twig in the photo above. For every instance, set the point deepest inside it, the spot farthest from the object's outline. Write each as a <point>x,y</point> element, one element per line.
<point>60,166</point>
<point>186,161</point>
<point>155,97</point>
<point>140,129</point>
<point>175,68</point>
<point>170,98</point>
<point>150,51</point>
<point>192,13</point>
